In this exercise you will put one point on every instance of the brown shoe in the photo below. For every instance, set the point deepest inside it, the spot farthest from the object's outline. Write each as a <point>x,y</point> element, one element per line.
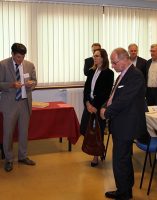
<point>26,161</point>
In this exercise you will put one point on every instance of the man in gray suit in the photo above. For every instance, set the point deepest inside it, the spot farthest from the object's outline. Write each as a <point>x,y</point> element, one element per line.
<point>17,80</point>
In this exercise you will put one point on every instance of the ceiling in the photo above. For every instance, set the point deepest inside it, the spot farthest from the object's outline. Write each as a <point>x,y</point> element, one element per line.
<point>129,3</point>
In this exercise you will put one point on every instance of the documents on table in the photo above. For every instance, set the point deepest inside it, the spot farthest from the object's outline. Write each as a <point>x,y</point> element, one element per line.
<point>37,104</point>
<point>63,105</point>
<point>152,109</point>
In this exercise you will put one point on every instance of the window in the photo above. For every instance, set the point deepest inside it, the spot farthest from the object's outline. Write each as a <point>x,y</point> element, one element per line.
<point>58,37</point>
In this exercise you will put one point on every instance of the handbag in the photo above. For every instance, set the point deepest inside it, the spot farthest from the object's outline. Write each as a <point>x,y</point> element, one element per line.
<point>93,143</point>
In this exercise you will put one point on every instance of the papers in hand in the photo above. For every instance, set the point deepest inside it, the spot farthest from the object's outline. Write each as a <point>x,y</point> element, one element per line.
<point>37,104</point>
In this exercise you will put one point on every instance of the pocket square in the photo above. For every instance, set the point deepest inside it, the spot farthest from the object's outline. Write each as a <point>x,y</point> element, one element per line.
<point>120,86</point>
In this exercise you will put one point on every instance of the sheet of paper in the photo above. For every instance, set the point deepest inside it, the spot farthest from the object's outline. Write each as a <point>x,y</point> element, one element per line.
<point>37,104</point>
<point>152,109</point>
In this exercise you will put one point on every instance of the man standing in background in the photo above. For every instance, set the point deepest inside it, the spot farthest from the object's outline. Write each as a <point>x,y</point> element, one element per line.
<point>137,61</point>
<point>89,62</point>
<point>151,77</point>
<point>17,80</point>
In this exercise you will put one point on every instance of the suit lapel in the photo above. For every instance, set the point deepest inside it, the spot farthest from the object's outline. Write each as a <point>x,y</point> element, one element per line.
<point>127,74</point>
<point>137,62</point>
<point>124,78</point>
<point>11,68</point>
<point>24,67</point>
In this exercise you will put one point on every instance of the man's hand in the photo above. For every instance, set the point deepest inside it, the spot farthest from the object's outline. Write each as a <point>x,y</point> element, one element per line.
<point>17,84</point>
<point>102,113</point>
<point>29,83</point>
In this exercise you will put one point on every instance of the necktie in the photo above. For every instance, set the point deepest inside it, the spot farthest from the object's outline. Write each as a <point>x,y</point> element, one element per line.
<point>18,91</point>
<point>109,102</point>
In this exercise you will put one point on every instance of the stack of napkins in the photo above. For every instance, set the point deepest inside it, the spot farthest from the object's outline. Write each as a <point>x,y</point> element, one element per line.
<point>37,104</point>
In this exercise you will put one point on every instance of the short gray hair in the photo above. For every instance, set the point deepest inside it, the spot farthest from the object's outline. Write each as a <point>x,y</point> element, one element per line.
<point>121,53</point>
<point>133,44</point>
<point>153,45</point>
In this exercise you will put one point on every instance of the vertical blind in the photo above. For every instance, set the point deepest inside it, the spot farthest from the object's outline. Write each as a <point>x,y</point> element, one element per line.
<point>123,26</point>
<point>58,37</point>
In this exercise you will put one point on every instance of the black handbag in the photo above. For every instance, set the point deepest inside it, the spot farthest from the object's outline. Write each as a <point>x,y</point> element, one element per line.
<point>93,143</point>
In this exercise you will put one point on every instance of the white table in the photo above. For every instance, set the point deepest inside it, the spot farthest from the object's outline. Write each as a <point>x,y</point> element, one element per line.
<point>151,119</point>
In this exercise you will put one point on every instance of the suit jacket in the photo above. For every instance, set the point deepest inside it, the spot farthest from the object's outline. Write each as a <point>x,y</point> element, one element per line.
<point>102,88</point>
<point>7,77</point>
<point>89,62</point>
<point>141,65</point>
<point>127,111</point>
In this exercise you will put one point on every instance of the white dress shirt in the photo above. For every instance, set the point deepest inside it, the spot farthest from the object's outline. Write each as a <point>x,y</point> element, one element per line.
<point>152,75</point>
<point>96,75</point>
<point>23,88</point>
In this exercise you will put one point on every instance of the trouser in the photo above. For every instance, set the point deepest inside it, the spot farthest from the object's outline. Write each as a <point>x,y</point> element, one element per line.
<point>122,165</point>
<point>151,96</point>
<point>19,114</point>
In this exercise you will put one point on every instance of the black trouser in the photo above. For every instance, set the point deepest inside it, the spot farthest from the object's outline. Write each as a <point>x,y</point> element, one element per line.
<point>122,165</point>
<point>151,96</point>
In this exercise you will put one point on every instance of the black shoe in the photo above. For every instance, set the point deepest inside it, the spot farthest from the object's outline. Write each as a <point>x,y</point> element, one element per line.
<point>8,166</point>
<point>93,164</point>
<point>102,158</point>
<point>118,196</point>
<point>26,161</point>
<point>123,198</point>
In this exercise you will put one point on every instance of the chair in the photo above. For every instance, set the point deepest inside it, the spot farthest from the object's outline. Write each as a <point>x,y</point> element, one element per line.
<point>149,148</point>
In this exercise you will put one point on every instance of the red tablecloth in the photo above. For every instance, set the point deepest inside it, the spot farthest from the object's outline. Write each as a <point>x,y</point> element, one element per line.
<point>57,120</point>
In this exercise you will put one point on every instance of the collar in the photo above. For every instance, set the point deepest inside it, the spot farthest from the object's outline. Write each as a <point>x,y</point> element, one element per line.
<point>125,70</point>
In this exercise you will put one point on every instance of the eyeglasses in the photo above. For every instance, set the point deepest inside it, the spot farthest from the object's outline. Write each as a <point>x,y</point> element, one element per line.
<point>114,63</point>
<point>96,56</point>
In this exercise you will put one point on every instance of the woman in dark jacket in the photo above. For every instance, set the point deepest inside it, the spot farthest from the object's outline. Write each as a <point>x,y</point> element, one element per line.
<point>96,92</point>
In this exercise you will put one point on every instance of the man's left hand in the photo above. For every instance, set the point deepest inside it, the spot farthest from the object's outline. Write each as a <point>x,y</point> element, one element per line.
<point>29,83</point>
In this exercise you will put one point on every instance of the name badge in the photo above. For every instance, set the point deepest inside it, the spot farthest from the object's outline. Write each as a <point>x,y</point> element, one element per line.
<point>26,75</point>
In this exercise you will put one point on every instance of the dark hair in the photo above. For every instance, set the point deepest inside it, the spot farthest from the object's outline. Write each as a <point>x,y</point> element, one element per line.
<point>104,55</point>
<point>96,44</point>
<point>18,48</point>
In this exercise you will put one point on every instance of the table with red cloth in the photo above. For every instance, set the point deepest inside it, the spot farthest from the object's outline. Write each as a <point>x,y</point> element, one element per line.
<point>57,120</point>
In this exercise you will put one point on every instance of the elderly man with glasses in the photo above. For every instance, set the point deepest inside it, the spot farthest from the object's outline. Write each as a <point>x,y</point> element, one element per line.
<point>126,113</point>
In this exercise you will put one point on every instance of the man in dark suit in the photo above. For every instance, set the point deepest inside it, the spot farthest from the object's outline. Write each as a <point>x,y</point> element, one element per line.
<point>126,111</point>
<point>17,80</point>
<point>137,61</point>
<point>151,77</point>
<point>89,62</point>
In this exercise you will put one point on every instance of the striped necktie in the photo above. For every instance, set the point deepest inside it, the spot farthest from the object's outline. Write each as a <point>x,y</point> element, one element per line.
<point>18,90</point>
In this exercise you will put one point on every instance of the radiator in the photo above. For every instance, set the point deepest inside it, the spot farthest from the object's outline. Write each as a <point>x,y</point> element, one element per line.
<point>73,96</point>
